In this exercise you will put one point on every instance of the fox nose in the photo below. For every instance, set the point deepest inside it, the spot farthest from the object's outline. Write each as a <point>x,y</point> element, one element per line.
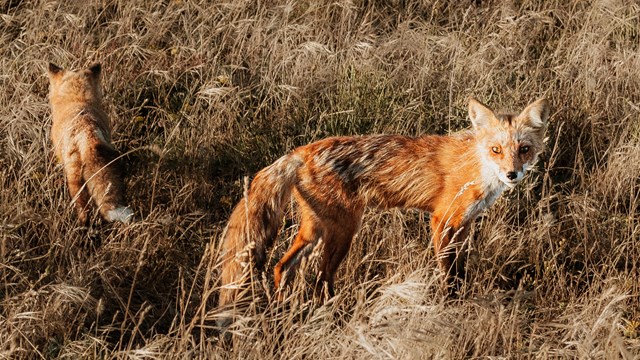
<point>512,175</point>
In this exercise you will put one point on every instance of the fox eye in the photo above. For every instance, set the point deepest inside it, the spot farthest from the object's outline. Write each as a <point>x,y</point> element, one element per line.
<point>524,149</point>
<point>496,150</point>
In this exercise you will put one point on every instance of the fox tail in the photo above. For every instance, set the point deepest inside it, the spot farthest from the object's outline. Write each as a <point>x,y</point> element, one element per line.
<point>254,224</point>
<point>104,176</point>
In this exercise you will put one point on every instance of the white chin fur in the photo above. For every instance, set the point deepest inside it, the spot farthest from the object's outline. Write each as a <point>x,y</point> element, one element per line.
<point>121,213</point>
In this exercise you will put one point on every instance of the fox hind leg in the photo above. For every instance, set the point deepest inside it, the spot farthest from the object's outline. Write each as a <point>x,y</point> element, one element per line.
<point>335,226</point>
<point>337,243</point>
<point>77,189</point>
<point>310,231</point>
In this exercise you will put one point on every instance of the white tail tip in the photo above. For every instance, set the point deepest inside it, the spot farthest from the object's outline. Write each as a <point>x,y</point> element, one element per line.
<point>121,213</point>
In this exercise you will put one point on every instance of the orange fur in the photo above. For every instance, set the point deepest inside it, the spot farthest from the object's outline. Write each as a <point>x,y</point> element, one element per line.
<point>81,136</point>
<point>333,180</point>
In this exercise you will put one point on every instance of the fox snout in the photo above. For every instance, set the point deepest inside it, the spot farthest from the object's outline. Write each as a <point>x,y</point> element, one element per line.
<point>512,177</point>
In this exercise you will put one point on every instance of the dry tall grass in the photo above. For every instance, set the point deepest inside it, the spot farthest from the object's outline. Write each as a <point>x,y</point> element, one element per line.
<point>204,93</point>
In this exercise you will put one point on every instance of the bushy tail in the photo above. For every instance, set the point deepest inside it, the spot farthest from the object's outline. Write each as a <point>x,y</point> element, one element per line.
<point>104,176</point>
<point>254,224</point>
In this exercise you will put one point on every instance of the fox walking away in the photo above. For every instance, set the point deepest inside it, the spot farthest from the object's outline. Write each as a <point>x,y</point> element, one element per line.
<point>81,136</point>
<point>333,180</point>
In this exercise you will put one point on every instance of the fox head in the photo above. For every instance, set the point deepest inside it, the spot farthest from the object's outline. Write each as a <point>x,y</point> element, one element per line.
<point>509,144</point>
<point>82,85</point>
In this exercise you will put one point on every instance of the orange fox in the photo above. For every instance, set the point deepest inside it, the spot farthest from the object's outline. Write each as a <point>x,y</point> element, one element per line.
<point>333,180</point>
<point>81,136</point>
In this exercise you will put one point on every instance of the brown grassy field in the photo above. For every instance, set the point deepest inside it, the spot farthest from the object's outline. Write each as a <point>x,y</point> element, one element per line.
<point>202,94</point>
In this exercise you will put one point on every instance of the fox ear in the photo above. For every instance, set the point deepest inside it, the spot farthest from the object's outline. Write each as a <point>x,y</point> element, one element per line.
<point>54,69</point>
<point>480,114</point>
<point>96,69</point>
<point>537,113</point>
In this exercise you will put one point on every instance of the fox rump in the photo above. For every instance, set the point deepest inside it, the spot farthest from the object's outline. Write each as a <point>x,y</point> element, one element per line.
<point>81,137</point>
<point>333,180</point>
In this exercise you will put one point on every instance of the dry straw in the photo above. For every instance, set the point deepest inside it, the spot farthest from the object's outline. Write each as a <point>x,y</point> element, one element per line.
<point>223,89</point>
